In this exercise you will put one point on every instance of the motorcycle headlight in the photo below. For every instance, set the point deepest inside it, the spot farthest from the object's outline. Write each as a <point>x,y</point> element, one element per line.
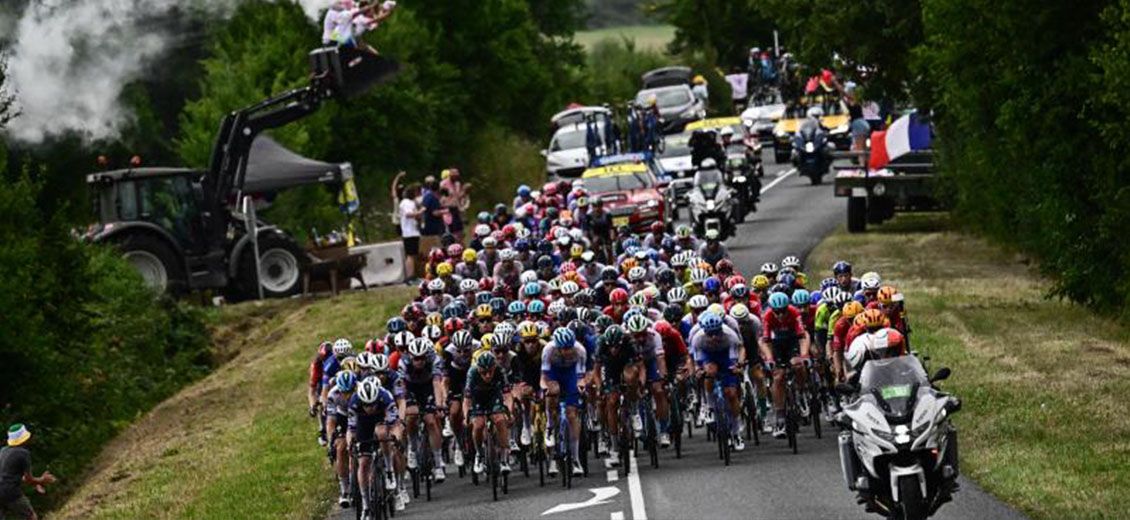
<point>810,147</point>
<point>710,205</point>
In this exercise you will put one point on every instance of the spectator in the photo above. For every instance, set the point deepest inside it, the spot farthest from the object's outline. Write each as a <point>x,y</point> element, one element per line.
<point>456,200</point>
<point>434,214</point>
<point>410,213</point>
<point>739,88</point>
<point>15,469</point>
<point>700,89</point>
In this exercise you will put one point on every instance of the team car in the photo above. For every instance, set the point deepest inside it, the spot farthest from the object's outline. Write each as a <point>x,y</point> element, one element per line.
<point>633,192</point>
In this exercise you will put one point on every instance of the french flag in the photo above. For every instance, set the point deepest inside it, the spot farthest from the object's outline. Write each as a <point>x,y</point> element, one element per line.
<point>907,134</point>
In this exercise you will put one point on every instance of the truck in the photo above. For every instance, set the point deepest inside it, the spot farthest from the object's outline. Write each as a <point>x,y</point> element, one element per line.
<point>183,229</point>
<point>906,184</point>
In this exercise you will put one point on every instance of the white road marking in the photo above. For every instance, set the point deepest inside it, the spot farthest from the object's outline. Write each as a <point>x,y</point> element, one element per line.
<point>600,496</point>
<point>613,475</point>
<point>617,515</point>
<point>778,179</point>
<point>635,491</point>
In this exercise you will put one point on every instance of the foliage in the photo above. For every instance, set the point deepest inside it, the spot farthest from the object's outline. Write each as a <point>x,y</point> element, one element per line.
<point>723,29</point>
<point>615,13</point>
<point>87,347</point>
<point>615,67</point>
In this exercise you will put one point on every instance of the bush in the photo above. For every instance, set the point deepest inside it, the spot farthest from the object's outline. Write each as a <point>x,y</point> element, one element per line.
<point>501,162</point>
<point>86,346</point>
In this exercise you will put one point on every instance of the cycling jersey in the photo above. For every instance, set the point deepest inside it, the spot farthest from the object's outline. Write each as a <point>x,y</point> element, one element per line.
<point>839,333</point>
<point>773,323</point>
<point>721,350</point>
<point>455,367</point>
<point>316,368</point>
<point>565,369</point>
<point>330,367</point>
<point>486,397</point>
<point>364,418</point>
<point>415,384</point>
<point>820,319</point>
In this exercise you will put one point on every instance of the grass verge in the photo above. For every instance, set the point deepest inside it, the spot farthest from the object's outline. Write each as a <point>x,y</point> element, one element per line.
<point>1044,425</point>
<point>237,444</point>
<point>649,37</point>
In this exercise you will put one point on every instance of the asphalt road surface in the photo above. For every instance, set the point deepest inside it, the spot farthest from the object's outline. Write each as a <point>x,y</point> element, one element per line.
<point>765,481</point>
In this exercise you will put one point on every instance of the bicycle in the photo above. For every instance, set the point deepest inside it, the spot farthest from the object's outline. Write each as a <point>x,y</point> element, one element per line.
<point>792,409</point>
<point>750,413</point>
<point>676,415</point>
<point>494,471</point>
<point>380,498</point>
<point>625,440</point>
<point>424,473</point>
<point>564,454</point>
<point>722,423</point>
<point>650,434</point>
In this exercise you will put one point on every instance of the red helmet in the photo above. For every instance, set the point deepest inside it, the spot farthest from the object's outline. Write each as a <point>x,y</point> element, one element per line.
<point>497,235</point>
<point>325,349</point>
<point>375,346</point>
<point>734,280</point>
<point>413,311</point>
<point>568,267</point>
<point>436,255</point>
<point>657,227</point>
<point>508,231</point>
<point>486,283</point>
<point>724,266</point>
<point>455,251</point>
<point>550,188</point>
<point>451,325</point>
<point>618,296</point>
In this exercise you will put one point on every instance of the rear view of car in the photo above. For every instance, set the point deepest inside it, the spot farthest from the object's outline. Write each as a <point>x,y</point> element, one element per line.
<point>630,192</point>
<point>677,105</point>
<point>567,155</point>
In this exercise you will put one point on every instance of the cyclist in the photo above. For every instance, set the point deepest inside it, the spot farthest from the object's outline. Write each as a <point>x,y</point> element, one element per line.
<point>784,342</point>
<point>456,363</point>
<point>373,418</point>
<point>615,367</point>
<point>314,395</point>
<point>677,363</point>
<point>842,272</point>
<point>487,394</point>
<point>337,419</point>
<point>525,368</point>
<point>563,368</point>
<point>717,352</point>
<point>713,250</point>
<point>420,387</point>
<point>648,344</point>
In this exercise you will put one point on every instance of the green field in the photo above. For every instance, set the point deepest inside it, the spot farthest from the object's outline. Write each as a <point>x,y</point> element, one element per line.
<point>652,37</point>
<point>1044,424</point>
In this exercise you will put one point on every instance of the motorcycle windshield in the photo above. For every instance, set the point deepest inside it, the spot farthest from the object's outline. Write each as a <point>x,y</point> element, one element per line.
<point>894,381</point>
<point>708,182</point>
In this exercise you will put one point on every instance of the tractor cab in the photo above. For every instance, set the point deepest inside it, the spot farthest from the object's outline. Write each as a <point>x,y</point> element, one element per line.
<point>166,200</point>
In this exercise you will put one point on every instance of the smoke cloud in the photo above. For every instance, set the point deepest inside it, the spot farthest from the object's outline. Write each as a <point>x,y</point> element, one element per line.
<point>70,59</point>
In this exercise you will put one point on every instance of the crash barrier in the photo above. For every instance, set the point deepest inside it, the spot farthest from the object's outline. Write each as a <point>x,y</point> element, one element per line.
<point>385,264</point>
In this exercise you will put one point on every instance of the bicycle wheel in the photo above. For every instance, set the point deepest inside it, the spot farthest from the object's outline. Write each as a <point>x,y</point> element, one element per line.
<point>541,467</point>
<point>652,438</point>
<point>814,410</point>
<point>792,420</point>
<point>429,474</point>
<point>492,464</point>
<point>355,493</point>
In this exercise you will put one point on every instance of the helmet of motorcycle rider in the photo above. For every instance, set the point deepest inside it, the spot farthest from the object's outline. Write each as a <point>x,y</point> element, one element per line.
<point>708,163</point>
<point>815,112</point>
<point>778,301</point>
<point>699,79</point>
<point>726,132</point>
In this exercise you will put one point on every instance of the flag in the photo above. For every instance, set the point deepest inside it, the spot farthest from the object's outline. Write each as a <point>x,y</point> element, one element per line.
<point>905,135</point>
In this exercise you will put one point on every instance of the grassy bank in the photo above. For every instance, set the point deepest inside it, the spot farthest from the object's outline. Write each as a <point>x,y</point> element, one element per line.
<point>1045,425</point>
<point>237,444</point>
<point>647,37</point>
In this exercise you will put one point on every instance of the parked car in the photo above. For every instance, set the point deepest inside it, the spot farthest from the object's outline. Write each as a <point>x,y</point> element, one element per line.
<point>631,193</point>
<point>761,118</point>
<point>567,155</point>
<point>677,106</point>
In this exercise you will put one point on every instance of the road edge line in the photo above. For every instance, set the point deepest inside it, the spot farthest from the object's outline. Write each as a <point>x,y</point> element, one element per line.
<point>635,491</point>
<point>777,180</point>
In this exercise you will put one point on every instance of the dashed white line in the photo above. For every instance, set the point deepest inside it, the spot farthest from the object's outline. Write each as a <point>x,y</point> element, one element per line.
<point>778,179</point>
<point>617,515</point>
<point>613,475</point>
<point>636,491</point>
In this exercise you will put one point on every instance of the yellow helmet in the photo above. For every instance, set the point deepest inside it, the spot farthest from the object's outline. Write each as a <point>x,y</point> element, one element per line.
<point>576,250</point>
<point>699,79</point>
<point>852,309</point>
<point>349,364</point>
<point>486,341</point>
<point>802,279</point>
<point>434,318</point>
<point>528,329</point>
<point>484,311</point>
<point>444,269</point>
<point>760,282</point>
<point>469,255</point>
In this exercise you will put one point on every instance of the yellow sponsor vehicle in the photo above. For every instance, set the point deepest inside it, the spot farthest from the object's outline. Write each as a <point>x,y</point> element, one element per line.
<point>835,121</point>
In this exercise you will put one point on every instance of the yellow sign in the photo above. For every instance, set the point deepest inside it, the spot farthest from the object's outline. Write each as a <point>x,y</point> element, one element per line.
<point>790,126</point>
<point>614,169</point>
<point>620,221</point>
<point>717,122</point>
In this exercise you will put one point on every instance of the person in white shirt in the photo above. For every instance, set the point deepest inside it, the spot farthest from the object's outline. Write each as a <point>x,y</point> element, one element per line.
<point>410,212</point>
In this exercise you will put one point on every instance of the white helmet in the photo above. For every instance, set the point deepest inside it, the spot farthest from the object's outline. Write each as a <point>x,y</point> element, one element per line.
<point>726,130</point>
<point>369,389</point>
<point>402,339</point>
<point>527,277</point>
<point>637,274</point>
<point>555,307</point>
<point>482,230</point>
<point>468,285</point>
<point>570,288</point>
<point>815,112</point>
<point>420,347</point>
<point>380,362</point>
<point>522,232</point>
<point>431,332</point>
<point>342,347</point>
<point>791,261</point>
<point>489,242</point>
<point>699,302</point>
<point>365,359</point>
<point>435,285</point>
<point>708,163</point>
<point>870,280</point>
<point>507,255</point>
<point>578,234</point>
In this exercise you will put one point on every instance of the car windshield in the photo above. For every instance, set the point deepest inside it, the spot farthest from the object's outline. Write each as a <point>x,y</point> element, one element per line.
<point>893,379</point>
<point>570,139</point>
<point>620,182</point>
<point>668,97</point>
<point>676,145</point>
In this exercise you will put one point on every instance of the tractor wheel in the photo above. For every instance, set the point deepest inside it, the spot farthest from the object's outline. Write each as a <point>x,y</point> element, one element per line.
<point>282,266</point>
<point>156,262</point>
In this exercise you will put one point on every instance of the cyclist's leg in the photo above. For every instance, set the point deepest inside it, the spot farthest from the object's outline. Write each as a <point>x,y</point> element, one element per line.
<point>363,475</point>
<point>502,432</point>
<point>656,375</point>
<point>341,459</point>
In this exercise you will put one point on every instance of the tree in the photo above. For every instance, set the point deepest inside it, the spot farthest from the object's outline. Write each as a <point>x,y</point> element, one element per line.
<point>723,29</point>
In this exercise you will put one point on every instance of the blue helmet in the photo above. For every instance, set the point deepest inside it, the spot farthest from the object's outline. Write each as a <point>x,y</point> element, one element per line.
<point>841,267</point>
<point>711,285</point>
<point>516,307</point>
<point>345,381</point>
<point>787,279</point>
<point>483,217</point>
<point>710,322</point>
<point>827,282</point>
<point>482,297</point>
<point>521,245</point>
<point>536,307</point>
<point>523,191</point>
<point>498,304</point>
<point>564,338</point>
<point>778,300</point>
<point>816,297</point>
<point>801,298</point>
<point>396,324</point>
<point>532,289</point>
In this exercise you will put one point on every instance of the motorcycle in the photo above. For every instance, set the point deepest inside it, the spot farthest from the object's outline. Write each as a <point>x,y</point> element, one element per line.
<point>898,449</point>
<point>812,152</point>
<point>744,179</point>
<point>711,204</point>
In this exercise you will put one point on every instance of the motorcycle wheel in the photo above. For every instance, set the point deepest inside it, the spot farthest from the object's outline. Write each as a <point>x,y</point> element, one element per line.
<point>911,503</point>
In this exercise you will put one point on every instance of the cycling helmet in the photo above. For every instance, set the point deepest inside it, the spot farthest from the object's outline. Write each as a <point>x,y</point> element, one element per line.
<point>528,277</point>
<point>778,301</point>
<point>842,298</point>
<point>665,276</point>
<point>345,381</point>
<point>349,364</point>
<point>698,276</point>
<point>570,288</point>
<point>698,302</point>
<point>638,299</point>
<point>603,321</point>
<point>679,261</point>
<point>673,313</point>
<point>815,297</point>
<point>564,338</point>
<point>554,285</point>
<point>614,334</point>
<point>815,112</point>
<point>827,283</point>
<point>609,274</point>
<point>396,324</point>
<point>483,298</point>
<point>507,255</point>
<point>342,347</point>
<point>683,231</point>
<point>325,349</point>
<point>852,309</point>
<point>787,279</point>
<point>532,290</point>
<point>468,286</point>
<point>637,274</point>
<point>523,191</point>
<point>841,267</point>
<point>791,262</point>
<point>585,314</point>
<point>380,362</point>
<point>421,347</point>
<point>676,295</point>
<point>716,308</point>
<point>444,269</point>
<point>870,283</point>
<point>739,291</point>
<point>544,262</point>
<point>618,296</point>
<point>369,389</point>
<point>724,267</point>
<point>801,298</point>
<point>760,282</point>
<point>638,324</point>
<point>780,287</point>
<point>436,284</point>
<point>402,339</point>
<point>490,243</point>
<point>739,312</point>
<point>555,307</point>
<point>470,256</point>
<point>365,359</point>
<point>528,330</point>
<point>455,309</point>
<point>874,318</point>
<point>584,297</point>
<point>432,332</point>
<point>498,305</point>
<point>516,308</point>
<point>711,323</point>
<point>566,314</point>
<point>769,269</point>
<point>536,307</point>
<point>485,361</point>
<point>462,339</point>
<point>576,250</point>
<point>886,295</point>
<point>567,267</point>
<point>455,251</point>
<point>632,311</point>
<point>711,285</point>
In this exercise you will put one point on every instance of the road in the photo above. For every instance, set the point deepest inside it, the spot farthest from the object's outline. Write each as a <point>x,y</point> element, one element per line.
<point>765,481</point>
